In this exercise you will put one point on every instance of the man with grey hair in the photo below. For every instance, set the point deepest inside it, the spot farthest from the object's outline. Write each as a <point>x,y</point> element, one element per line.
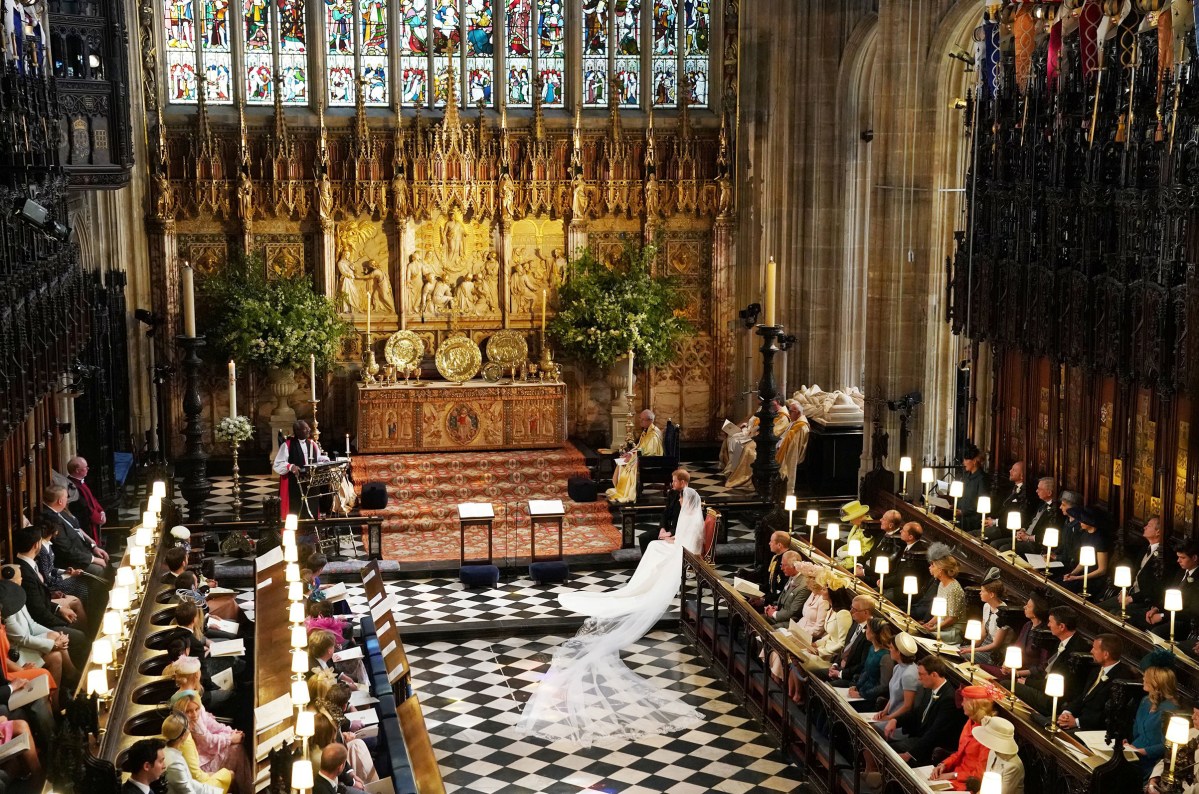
<point>847,665</point>
<point>624,478</point>
<point>794,594</point>
<point>1028,539</point>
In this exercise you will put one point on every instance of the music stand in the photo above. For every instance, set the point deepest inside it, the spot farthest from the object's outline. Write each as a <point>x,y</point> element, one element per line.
<point>320,479</point>
<point>550,510</point>
<point>476,514</point>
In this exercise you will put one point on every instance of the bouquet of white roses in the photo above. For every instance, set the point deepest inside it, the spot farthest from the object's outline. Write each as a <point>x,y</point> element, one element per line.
<point>234,429</point>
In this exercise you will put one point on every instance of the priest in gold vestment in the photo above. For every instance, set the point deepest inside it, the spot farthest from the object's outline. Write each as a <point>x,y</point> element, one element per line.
<point>624,480</point>
<point>742,472</point>
<point>794,446</point>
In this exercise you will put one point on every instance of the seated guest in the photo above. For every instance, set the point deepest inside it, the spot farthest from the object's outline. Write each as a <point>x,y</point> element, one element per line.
<point>970,759</point>
<point>1186,758</point>
<point>974,485</point>
<point>670,515</point>
<point>221,778</point>
<point>1030,686</point>
<point>945,571</point>
<point>25,765</point>
<point>1069,538</point>
<point>624,479</point>
<point>1089,521</point>
<point>1161,697</point>
<point>874,679</point>
<point>1085,712</point>
<point>82,503</point>
<point>337,702</point>
<point>905,681</point>
<point>67,587</point>
<point>742,472</point>
<point>360,764</point>
<point>1187,580</point>
<point>999,736</point>
<point>321,646</point>
<point>39,651</point>
<point>42,609</point>
<point>186,671</point>
<point>218,747</point>
<point>320,616</point>
<point>995,639</point>
<point>796,594</point>
<point>934,722</point>
<point>848,664</point>
<point>1019,501</point>
<point>178,773</point>
<point>1036,609</point>
<point>857,516</point>
<point>187,628</point>
<point>773,579</point>
<point>910,559</point>
<point>814,609</point>
<point>333,763</point>
<point>145,764</point>
<point>72,546</point>
<point>1046,514</point>
<point>837,622</point>
<point>1148,574</point>
<point>222,606</point>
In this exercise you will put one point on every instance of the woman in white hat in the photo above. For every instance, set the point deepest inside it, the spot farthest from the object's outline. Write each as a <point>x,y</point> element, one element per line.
<point>999,736</point>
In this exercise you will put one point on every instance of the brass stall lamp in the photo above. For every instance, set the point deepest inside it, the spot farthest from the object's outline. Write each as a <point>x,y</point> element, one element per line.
<point>927,478</point>
<point>295,613</point>
<point>1055,687</point>
<point>1086,558</point>
<point>1173,605</point>
<point>882,566</point>
<point>984,507</point>
<point>833,533</point>
<point>910,588</point>
<point>789,505</point>
<point>305,727</point>
<point>299,665</point>
<point>292,572</point>
<point>1178,731</point>
<point>301,775</point>
<point>939,611</point>
<point>295,591</point>
<point>1015,521</point>
<point>974,633</point>
<point>1122,578</point>
<point>854,549</point>
<point>1013,657</point>
<point>1050,541</point>
<point>957,489</point>
<point>992,783</point>
<point>291,553</point>
<point>159,489</point>
<point>812,522</point>
<point>905,466</point>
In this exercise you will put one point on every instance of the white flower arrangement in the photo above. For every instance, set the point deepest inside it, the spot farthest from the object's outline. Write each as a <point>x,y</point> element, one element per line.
<point>234,429</point>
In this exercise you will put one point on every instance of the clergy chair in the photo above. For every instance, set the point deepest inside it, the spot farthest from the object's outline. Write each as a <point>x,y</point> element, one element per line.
<point>659,468</point>
<point>711,524</point>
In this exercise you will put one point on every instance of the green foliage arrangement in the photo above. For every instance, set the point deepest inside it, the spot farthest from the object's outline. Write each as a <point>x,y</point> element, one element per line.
<point>268,323</point>
<point>604,311</point>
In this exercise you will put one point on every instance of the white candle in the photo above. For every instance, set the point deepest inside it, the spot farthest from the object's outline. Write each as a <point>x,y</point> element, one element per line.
<point>347,445</point>
<point>630,390</point>
<point>312,374</point>
<point>189,300</point>
<point>232,389</point>
<point>369,301</point>
<point>771,277</point>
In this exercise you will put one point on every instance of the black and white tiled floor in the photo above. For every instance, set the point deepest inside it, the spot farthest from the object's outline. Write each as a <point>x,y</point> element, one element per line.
<point>472,693</point>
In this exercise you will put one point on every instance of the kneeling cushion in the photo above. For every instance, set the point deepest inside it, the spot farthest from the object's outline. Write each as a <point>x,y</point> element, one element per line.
<point>581,489</point>
<point>549,571</point>
<point>479,575</point>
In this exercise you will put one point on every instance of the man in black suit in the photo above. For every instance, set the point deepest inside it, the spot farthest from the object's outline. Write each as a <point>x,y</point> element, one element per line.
<point>670,518</point>
<point>26,542</point>
<point>773,579</point>
<point>145,764</point>
<point>1150,571</point>
<point>1019,501</point>
<point>935,721</point>
<point>1047,514</point>
<point>911,559</point>
<point>72,547</point>
<point>848,664</point>
<point>1085,711</point>
<point>328,779</point>
<point>1157,620</point>
<point>1063,625</point>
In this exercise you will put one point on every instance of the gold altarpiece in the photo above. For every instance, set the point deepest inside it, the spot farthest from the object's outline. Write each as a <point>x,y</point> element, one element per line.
<point>457,226</point>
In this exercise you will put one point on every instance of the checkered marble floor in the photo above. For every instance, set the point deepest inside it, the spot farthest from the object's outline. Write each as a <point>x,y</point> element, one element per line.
<point>472,693</point>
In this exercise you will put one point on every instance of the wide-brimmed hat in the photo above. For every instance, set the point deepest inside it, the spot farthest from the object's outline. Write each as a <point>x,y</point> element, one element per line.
<point>854,509</point>
<point>12,598</point>
<point>906,644</point>
<point>181,532</point>
<point>1090,517</point>
<point>996,734</point>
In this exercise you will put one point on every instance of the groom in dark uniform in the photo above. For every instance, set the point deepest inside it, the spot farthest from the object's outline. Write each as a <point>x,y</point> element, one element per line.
<point>297,451</point>
<point>678,481</point>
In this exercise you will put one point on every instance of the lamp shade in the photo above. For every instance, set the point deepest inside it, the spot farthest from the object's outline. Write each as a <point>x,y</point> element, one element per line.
<point>957,488</point>
<point>149,519</point>
<point>291,554</point>
<point>992,783</point>
<point>301,775</point>
<point>118,598</point>
<point>974,630</point>
<point>905,464</point>
<point>1015,519</point>
<point>1086,556</point>
<point>1055,685</point>
<point>789,503</point>
<point>137,556</point>
<point>295,591</point>
<point>813,518</point>
<point>882,564</point>
<point>1013,657</point>
<point>111,625</point>
<point>833,532</point>
<point>1178,730</point>
<point>143,535</point>
<point>299,662</point>
<point>289,538</point>
<point>305,723</point>
<point>927,476</point>
<point>299,693</point>
<point>984,504</point>
<point>124,576</point>
<point>154,505</point>
<point>159,489</point>
<point>1122,577</point>
<point>1173,601</point>
<point>292,521</point>
<point>910,585</point>
<point>292,573</point>
<point>1049,537</point>
<point>299,637</point>
<point>940,607</point>
<point>295,613</point>
<point>102,651</point>
<point>854,548</point>
<point>97,681</point>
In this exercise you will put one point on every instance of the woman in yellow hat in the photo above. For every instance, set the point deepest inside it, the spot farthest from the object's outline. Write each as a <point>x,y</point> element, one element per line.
<point>855,514</point>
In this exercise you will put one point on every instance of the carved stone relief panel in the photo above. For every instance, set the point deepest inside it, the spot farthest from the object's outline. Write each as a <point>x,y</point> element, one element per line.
<point>364,271</point>
<point>284,253</point>
<point>537,262</point>
<point>205,252</point>
<point>454,271</point>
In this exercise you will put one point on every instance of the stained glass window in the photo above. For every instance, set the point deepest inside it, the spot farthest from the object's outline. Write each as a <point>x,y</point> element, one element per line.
<point>664,79</point>
<point>356,45</point>
<point>179,19</point>
<point>414,49</point>
<point>217,53</point>
<point>628,52</point>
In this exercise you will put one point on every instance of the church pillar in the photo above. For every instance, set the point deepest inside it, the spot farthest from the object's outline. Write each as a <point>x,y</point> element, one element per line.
<point>724,316</point>
<point>326,263</point>
<point>576,237</point>
<point>164,260</point>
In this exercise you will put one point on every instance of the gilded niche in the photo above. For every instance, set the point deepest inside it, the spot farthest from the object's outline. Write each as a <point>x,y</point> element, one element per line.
<point>363,274</point>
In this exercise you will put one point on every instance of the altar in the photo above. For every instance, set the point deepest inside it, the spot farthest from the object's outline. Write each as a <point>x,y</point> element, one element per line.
<point>442,416</point>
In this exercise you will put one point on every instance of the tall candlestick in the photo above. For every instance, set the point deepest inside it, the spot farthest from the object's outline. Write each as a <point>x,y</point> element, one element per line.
<point>232,389</point>
<point>543,311</point>
<point>187,282</point>
<point>312,374</point>
<point>771,277</point>
<point>630,390</point>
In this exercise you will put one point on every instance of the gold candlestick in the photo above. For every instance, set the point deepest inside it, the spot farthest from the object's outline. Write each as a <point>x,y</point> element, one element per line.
<point>629,440</point>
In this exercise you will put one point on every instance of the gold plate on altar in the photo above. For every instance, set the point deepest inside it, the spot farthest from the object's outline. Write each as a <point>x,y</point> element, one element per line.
<point>459,359</point>
<point>492,371</point>
<point>507,348</point>
<point>404,350</point>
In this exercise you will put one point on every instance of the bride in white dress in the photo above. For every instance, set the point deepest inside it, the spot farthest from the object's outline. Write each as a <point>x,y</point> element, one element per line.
<point>589,695</point>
